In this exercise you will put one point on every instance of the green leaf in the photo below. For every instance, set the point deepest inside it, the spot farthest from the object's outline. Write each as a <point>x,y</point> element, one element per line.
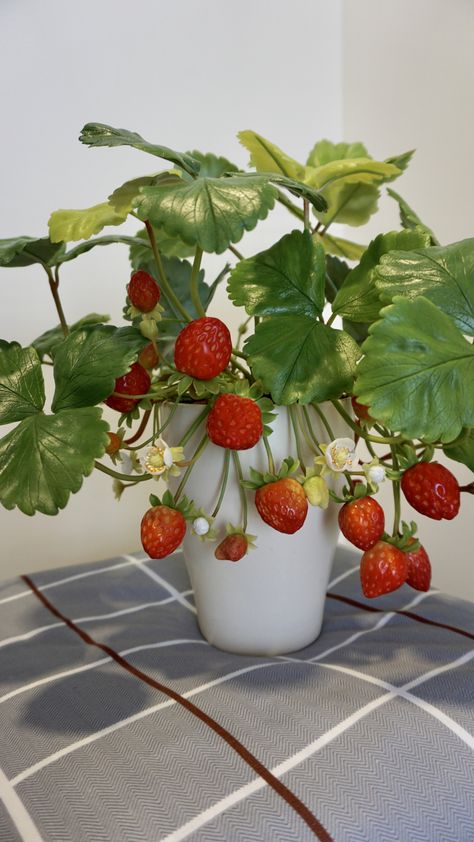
<point>266,157</point>
<point>340,247</point>
<point>417,374</point>
<point>99,134</point>
<point>169,246</point>
<point>325,151</point>
<point>408,217</point>
<point>443,274</point>
<point>124,197</point>
<point>297,188</point>
<point>300,359</point>
<point>336,273</point>
<point>46,344</point>
<point>70,225</point>
<point>89,361</point>
<point>286,278</point>
<point>400,161</point>
<point>462,448</point>
<point>213,166</point>
<point>110,239</point>
<point>209,212</point>
<point>24,251</point>
<point>359,299</point>
<point>21,383</point>
<point>44,459</point>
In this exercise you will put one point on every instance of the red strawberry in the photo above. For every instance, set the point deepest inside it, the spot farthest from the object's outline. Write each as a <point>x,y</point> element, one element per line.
<point>134,382</point>
<point>232,548</point>
<point>114,445</point>
<point>162,530</point>
<point>432,490</point>
<point>383,569</point>
<point>361,411</point>
<point>235,422</point>
<point>282,504</point>
<point>148,357</point>
<point>362,522</point>
<point>419,569</point>
<point>203,348</point>
<point>143,291</point>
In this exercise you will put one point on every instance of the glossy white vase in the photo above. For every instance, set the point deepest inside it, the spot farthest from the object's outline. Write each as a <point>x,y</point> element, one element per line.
<point>272,600</point>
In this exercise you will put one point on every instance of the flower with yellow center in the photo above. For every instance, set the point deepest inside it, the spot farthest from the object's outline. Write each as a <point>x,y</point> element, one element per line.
<point>339,455</point>
<point>161,460</point>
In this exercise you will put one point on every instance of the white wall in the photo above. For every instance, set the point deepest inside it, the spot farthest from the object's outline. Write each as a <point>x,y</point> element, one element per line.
<point>189,75</point>
<point>408,82</point>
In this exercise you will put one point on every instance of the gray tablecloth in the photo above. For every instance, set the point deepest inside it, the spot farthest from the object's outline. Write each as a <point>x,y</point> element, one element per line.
<point>364,735</point>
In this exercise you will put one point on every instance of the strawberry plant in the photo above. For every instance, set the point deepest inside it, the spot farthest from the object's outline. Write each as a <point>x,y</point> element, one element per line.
<point>386,324</point>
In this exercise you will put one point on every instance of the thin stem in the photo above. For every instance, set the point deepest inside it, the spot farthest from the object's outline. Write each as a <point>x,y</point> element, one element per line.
<point>324,420</point>
<point>195,283</point>
<point>396,494</point>
<point>332,317</point>
<point>53,285</point>
<point>123,477</point>
<point>236,351</point>
<point>225,476</point>
<point>291,412</point>
<point>304,431</point>
<point>294,209</point>
<point>166,286</point>
<point>271,461</point>
<point>240,367</point>
<point>310,428</point>
<point>307,224</point>
<point>201,446</point>
<point>243,498</point>
<point>361,431</point>
<point>194,426</point>
<point>141,429</point>
<point>235,251</point>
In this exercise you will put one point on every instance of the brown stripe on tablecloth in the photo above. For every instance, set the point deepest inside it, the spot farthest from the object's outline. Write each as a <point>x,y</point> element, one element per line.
<point>294,802</point>
<point>418,617</point>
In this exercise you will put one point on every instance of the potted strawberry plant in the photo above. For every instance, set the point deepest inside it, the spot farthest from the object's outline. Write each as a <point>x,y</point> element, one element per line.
<point>253,437</point>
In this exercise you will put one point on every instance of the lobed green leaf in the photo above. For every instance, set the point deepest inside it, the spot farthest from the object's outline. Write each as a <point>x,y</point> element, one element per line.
<point>21,383</point>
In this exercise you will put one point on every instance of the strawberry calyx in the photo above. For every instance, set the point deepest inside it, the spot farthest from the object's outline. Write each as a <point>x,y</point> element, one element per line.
<point>405,540</point>
<point>360,489</point>
<point>257,479</point>
<point>184,505</point>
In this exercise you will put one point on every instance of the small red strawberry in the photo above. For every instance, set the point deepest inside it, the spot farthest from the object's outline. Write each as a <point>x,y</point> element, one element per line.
<point>114,445</point>
<point>235,422</point>
<point>383,569</point>
<point>232,548</point>
<point>148,357</point>
<point>143,291</point>
<point>203,348</point>
<point>282,504</point>
<point>362,522</point>
<point>162,531</point>
<point>361,411</point>
<point>419,569</point>
<point>135,382</point>
<point>432,490</point>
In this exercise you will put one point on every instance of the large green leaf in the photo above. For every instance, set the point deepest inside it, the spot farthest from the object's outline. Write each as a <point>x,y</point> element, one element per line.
<point>46,344</point>
<point>266,157</point>
<point>99,134</point>
<point>89,361</point>
<point>124,197</point>
<point>140,252</point>
<point>44,459</point>
<point>462,448</point>
<point>297,188</point>
<point>408,217</point>
<point>70,225</point>
<point>286,278</point>
<point>417,374</point>
<point>209,212</point>
<point>213,166</point>
<point>325,151</point>
<point>21,383</point>
<point>300,359</point>
<point>358,299</point>
<point>340,247</point>
<point>24,251</point>
<point>443,274</point>
<point>110,239</point>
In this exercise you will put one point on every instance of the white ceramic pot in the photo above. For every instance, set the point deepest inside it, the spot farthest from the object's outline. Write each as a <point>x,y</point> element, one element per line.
<point>272,600</point>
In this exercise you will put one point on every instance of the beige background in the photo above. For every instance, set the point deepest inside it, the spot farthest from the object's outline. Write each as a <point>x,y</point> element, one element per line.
<point>396,75</point>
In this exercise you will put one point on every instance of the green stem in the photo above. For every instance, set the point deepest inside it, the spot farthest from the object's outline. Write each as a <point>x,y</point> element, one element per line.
<point>240,367</point>
<point>195,283</point>
<point>291,412</point>
<point>166,286</point>
<point>396,494</point>
<point>243,498</point>
<point>361,431</point>
<point>123,477</point>
<point>296,211</point>
<point>236,351</point>
<point>225,476</point>
<point>271,461</point>
<point>201,446</point>
<point>310,428</point>
<point>304,431</point>
<point>235,251</point>
<point>53,285</point>
<point>141,429</point>
<point>324,421</point>
<point>194,426</point>
<point>307,224</point>
<point>332,317</point>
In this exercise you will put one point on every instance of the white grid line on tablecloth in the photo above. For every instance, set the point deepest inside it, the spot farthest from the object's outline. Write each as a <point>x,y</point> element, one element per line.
<point>74,670</point>
<point>64,581</point>
<point>299,757</point>
<point>7,641</point>
<point>160,581</point>
<point>344,575</point>
<point>18,812</point>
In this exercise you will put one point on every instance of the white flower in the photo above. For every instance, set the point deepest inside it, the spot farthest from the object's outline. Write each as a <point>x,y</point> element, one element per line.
<point>376,474</point>
<point>161,459</point>
<point>340,455</point>
<point>201,526</point>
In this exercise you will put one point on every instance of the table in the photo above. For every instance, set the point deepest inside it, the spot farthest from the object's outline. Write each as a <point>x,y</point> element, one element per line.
<point>364,735</point>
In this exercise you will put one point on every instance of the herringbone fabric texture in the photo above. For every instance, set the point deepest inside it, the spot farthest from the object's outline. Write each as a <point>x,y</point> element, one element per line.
<point>156,735</point>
